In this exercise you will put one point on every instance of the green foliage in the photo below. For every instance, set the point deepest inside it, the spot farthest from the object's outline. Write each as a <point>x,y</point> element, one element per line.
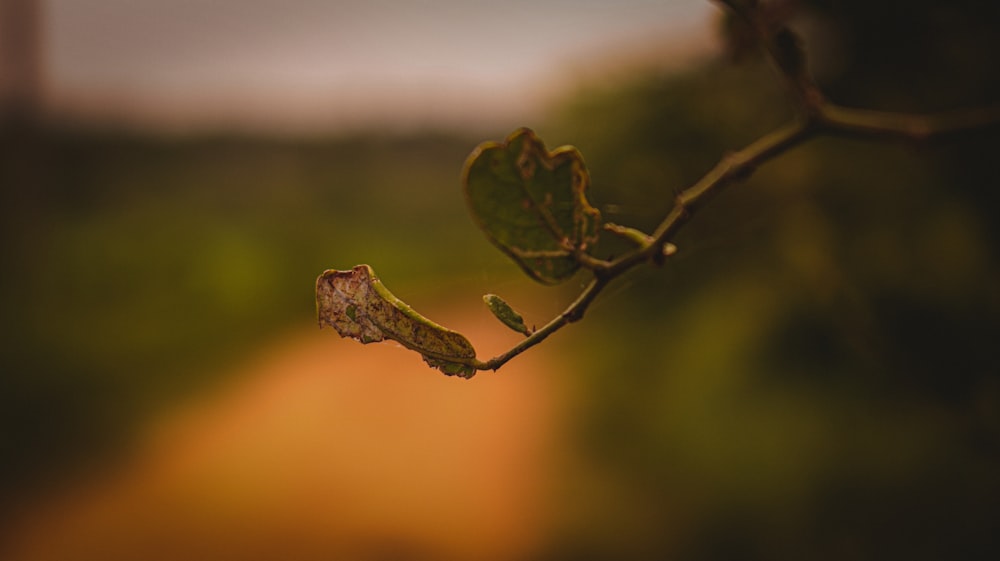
<point>817,379</point>
<point>813,375</point>
<point>146,265</point>
<point>503,312</point>
<point>531,203</point>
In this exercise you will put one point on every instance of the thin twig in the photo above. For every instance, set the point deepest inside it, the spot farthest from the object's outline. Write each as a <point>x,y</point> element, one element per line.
<point>817,117</point>
<point>737,166</point>
<point>833,119</point>
<point>573,313</point>
<point>784,51</point>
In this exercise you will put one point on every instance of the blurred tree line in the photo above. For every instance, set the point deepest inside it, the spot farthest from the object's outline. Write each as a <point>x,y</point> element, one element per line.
<point>815,375</point>
<point>137,266</point>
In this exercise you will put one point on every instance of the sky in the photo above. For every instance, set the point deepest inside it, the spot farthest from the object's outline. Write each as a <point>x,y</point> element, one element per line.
<point>313,64</point>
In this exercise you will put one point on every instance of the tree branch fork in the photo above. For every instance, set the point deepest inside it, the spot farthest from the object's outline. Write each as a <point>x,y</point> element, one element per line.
<point>815,116</point>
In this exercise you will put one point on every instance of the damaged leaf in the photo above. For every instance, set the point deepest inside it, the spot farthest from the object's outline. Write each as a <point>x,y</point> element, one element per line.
<point>357,305</point>
<point>531,203</point>
<point>502,310</point>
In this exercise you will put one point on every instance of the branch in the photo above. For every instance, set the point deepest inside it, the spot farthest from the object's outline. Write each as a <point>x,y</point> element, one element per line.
<point>571,314</point>
<point>817,116</point>
<point>450,351</point>
<point>782,46</point>
<point>863,123</point>
<point>737,166</point>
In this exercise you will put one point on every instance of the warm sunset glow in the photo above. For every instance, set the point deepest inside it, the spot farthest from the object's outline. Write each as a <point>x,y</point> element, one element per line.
<point>309,65</point>
<point>771,228</point>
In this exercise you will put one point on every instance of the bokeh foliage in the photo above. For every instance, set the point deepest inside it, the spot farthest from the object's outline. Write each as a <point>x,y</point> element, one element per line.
<point>814,375</point>
<point>136,266</point>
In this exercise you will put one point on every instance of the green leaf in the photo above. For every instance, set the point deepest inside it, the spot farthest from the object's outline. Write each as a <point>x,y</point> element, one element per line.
<point>531,203</point>
<point>357,305</point>
<point>506,314</point>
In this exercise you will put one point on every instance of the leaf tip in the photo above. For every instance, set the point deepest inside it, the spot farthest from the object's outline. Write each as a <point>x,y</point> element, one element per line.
<point>457,369</point>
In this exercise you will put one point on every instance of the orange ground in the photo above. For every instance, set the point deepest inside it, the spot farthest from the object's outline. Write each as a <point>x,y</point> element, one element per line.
<point>322,448</point>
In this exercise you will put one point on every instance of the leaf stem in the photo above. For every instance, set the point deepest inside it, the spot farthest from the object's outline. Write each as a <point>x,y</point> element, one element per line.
<point>571,314</point>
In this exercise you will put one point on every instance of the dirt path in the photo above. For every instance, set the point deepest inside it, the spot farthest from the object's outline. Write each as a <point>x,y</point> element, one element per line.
<point>326,449</point>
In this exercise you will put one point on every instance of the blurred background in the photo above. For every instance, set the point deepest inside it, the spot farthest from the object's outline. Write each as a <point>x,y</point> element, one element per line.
<point>814,376</point>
